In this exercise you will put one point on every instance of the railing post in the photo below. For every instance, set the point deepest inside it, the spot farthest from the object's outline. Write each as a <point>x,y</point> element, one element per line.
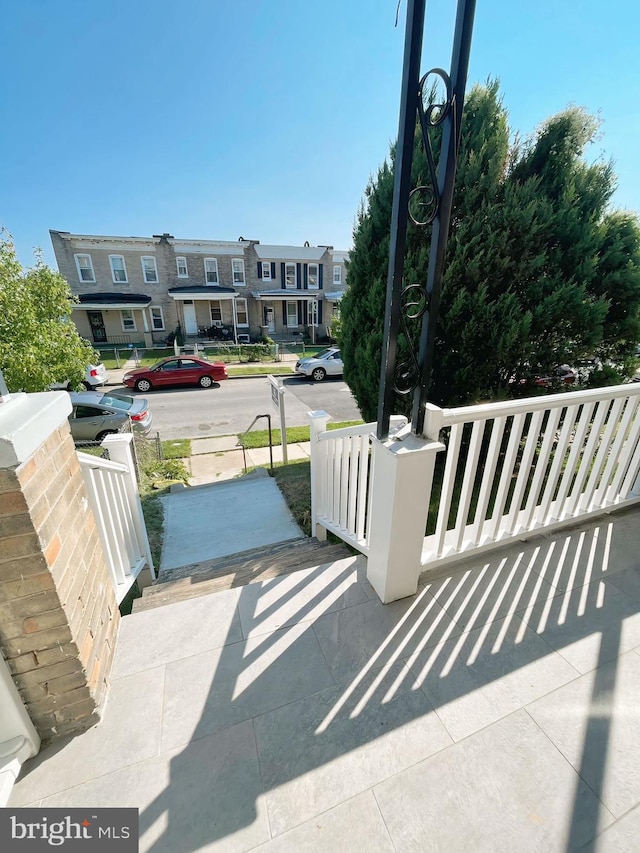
<point>319,421</point>
<point>119,448</point>
<point>400,492</point>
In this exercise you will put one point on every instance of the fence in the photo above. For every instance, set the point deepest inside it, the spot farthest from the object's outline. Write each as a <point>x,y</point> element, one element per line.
<point>113,496</point>
<point>512,468</point>
<point>486,475</point>
<point>340,478</point>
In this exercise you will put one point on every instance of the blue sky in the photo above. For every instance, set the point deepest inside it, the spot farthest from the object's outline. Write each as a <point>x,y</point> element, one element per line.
<point>265,118</point>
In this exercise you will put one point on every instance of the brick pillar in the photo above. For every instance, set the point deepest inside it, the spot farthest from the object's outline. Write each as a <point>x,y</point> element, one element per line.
<point>58,613</point>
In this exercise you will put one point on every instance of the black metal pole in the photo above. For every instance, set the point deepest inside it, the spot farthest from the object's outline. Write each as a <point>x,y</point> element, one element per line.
<point>446,182</point>
<point>399,213</point>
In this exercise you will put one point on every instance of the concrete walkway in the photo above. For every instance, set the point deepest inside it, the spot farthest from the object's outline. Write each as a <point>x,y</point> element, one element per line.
<point>498,709</point>
<point>217,520</point>
<point>217,459</point>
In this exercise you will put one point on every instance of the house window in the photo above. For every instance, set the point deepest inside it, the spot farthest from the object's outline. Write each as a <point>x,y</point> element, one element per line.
<point>237,266</point>
<point>157,318</point>
<point>84,266</point>
<point>241,312</point>
<point>313,276</point>
<point>291,278</point>
<point>150,270</point>
<point>211,270</point>
<point>118,269</point>
<point>181,264</point>
<point>292,314</point>
<point>337,275</point>
<point>216,311</point>
<point>128,321</point>
<point>266,271</point>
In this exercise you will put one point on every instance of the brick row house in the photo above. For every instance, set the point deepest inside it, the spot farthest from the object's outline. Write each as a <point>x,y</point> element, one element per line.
<point>138,289</point>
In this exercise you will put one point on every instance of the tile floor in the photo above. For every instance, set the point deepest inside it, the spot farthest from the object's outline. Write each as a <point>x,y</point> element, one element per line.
<point>496,710</point>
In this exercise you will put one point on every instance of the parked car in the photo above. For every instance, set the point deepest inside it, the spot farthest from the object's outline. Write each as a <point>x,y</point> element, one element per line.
<point>176,371</point>
<point>95,376</point>
<point>562,375</point>
<point>95,414</point>
<point>325,363</point>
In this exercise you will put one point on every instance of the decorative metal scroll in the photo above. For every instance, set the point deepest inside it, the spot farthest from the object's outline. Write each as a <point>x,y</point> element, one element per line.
<point>423,207</point>
<point>412,309</point>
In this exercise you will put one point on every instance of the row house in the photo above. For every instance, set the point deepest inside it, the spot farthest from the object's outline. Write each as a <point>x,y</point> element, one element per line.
<point>138,289</point>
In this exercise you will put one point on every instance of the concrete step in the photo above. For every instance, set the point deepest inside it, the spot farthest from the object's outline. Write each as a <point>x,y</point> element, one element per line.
<point>253,566</point>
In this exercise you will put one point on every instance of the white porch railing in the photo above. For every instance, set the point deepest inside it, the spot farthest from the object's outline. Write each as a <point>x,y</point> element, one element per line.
<point>112,490</point>
<point>513,468</point>
<point>481,476</point>
<point>341,465</point>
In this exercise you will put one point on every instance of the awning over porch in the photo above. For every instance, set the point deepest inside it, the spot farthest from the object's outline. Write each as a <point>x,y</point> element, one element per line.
<point>112,299</point>
<point>286,295</point>
<point>334,296</point>
<point>202,292</point>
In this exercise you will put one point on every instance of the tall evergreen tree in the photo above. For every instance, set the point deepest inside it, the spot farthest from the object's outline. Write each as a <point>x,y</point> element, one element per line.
<point>539,272</point>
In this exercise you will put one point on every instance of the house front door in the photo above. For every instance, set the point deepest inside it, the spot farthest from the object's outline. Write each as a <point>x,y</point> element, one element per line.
<point>190,325</point>
<point>270,318</point>
<point>98,331</point>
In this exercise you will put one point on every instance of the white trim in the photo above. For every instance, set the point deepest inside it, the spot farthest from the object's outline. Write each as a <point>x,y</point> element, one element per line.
<point>144,271</point>
<point>246,312</point>
<point>317,284</point>
<point>155,328</point>
<point>93,272</point>
<point>186,266</point>
<point>266,265</point>
<point>124,311</point>
<point>337,280</point>
<point>295,275</point>
<point>242,283</point>
<point>295,304</point>
<point>203,297</point>
<point>206,272</point>
<point>125,280</point>
<point>108,306</point>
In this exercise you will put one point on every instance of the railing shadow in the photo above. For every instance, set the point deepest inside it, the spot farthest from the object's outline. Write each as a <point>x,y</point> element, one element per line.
<point>327,670</point>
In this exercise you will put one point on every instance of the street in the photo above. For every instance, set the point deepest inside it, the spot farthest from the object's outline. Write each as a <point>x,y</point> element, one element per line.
<point>229,407</point>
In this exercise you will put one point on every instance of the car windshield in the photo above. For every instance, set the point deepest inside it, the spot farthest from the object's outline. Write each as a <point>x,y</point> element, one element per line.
<point>325,353</point>
<point>118,401</point>
<point>157,364</point>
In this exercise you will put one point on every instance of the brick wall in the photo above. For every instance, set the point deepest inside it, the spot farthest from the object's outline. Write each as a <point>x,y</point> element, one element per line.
<point>58,613</point>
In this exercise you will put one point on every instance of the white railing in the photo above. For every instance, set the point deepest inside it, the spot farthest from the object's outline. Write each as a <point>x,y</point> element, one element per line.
<point>513,468</point>
<point>112,490</point>
<point>341,472</point>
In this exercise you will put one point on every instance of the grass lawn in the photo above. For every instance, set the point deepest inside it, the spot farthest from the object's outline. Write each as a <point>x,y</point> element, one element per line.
<point>257,370</point>
<point>294,481</point>
<point>307,350</point>
<point>260,437</point>
<point>178,448</point>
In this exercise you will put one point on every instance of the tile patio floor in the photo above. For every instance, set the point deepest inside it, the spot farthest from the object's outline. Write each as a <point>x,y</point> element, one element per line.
<point>496,710</point>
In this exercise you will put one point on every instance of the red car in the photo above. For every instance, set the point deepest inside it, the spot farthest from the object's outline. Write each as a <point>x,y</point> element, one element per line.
<point>178,370</point>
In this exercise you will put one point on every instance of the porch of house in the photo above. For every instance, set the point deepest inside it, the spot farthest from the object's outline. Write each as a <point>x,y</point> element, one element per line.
<point>496,709</point>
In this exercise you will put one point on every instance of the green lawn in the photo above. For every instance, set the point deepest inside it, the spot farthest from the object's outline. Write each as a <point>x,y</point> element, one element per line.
<point>178,448</point>
<point>257,370</point>
<point>260,437</point>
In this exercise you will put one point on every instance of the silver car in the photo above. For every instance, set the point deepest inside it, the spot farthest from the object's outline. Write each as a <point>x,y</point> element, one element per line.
<point>325,363</point>
<point>96,415</point>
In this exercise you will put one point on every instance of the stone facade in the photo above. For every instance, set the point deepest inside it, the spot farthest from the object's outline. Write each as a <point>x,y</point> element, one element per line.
<point>58,613</point>
<point>191,300</point>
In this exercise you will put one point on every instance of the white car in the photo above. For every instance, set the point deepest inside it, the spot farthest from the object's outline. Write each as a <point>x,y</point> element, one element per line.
<point>325,363</point>
<point>94,376</point>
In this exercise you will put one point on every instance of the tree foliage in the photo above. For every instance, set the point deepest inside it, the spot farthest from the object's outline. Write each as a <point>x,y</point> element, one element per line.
<point>39,345</point>
<point>539,270</point>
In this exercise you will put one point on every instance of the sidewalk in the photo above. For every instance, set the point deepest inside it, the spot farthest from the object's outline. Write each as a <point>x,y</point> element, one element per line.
<point>216,459</point>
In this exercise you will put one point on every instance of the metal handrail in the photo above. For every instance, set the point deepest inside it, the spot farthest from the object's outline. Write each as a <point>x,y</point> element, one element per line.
<point>239,443</point>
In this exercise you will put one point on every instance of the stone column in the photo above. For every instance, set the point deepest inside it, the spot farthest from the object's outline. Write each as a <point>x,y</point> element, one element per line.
<point>58,613</point>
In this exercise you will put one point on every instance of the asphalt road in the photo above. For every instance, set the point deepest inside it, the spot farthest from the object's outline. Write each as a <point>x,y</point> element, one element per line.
<point>229,408</point>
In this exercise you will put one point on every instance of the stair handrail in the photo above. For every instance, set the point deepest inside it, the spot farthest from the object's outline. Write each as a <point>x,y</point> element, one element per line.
<point>240,442</point>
